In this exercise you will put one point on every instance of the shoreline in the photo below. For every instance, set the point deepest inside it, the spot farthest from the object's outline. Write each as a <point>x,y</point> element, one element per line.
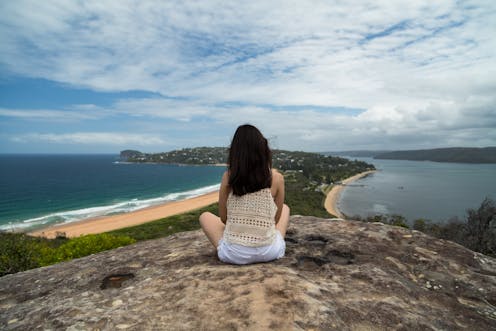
<point>114,222</point>
<point>176,164</point>
<point>331,200</point>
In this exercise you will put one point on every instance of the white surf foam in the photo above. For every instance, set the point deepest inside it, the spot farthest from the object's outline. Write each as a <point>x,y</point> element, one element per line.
<point>97,211</point>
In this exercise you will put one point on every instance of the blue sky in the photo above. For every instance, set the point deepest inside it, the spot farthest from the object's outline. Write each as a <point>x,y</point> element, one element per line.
<point>99,77</point>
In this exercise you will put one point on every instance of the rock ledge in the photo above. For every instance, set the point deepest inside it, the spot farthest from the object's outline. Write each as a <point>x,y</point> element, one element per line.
<point>336,275</point>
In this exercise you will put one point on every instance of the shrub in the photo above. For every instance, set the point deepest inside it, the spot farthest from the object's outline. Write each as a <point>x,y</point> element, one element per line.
<point>82,246</point>
<point>477,233</point>
<point>420,224</point>
<point>397,220</point>
<point>454,230</point>
<point>481,228</point>
<point>18,252</point>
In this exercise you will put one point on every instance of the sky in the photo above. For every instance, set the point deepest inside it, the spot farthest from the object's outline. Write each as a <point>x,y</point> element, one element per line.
<point>103,76</point>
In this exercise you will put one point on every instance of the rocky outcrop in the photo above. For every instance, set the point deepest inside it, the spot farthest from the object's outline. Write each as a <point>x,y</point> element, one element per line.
<point>336,275</point>
<point>129,154</point>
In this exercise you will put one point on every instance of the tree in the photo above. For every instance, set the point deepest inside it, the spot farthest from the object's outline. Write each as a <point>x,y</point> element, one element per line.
<point>420,225</point>
<point>481,228</point>
<point>454,230</point>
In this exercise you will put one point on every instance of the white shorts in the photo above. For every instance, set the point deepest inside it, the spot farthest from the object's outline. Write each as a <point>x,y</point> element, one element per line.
<point>239,254</point>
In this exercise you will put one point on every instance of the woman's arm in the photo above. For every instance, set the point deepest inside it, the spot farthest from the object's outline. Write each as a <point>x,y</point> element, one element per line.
<point>279,198</point>
<point>223,195</point>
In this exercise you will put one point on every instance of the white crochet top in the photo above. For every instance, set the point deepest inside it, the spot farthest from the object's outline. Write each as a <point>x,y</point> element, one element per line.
<point>251,219</point>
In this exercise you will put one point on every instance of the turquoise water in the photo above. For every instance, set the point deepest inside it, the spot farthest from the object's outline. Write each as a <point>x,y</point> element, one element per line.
<point>39,190</point>
<point>420,189</point>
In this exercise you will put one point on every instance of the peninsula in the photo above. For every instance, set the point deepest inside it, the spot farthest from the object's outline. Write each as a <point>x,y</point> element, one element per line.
<point>308,176</point>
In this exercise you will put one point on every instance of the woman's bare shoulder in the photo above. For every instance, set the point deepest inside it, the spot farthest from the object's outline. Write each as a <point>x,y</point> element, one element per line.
<point>277,176</point>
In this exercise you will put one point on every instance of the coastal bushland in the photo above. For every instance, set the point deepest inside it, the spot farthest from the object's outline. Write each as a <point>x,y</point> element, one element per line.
<point>19,251</point>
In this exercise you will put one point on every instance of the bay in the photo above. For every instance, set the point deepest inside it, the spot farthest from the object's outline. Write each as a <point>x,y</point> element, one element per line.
<point>419,189</point>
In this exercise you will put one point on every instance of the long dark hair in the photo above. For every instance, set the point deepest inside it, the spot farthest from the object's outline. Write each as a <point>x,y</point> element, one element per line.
<point>250,161</point>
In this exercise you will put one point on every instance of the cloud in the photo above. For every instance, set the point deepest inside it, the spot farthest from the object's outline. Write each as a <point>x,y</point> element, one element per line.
<point>161,108</point>
<point>93,138</point>
<point>422,72</point>
<point>79,112</point>
<point>189,123</point>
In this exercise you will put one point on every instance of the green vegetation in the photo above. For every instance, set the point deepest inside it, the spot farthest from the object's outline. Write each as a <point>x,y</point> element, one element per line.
<point>309,176</point>
<point>396,220</point>
<point>193,156</point>
<point>455,154</point>
<point>19,251</point>
<point>83,246</point>
<point>303,197</point>
<point>317,168</point>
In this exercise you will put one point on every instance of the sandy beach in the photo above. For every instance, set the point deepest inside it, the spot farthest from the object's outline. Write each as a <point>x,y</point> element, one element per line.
<point>108,223</point>
<point>332,197</point>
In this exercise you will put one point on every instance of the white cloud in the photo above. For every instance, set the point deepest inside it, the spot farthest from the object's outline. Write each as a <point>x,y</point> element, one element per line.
<point>161,108</point>
<point>79,112</point>
<point>93,138</point>
<point>412,66</point>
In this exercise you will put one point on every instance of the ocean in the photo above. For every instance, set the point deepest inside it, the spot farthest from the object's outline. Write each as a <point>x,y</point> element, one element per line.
<point>419,189</point>
<point>41,190</point>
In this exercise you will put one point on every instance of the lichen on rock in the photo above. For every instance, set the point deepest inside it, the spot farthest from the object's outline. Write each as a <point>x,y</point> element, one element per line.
<point>336,275</point>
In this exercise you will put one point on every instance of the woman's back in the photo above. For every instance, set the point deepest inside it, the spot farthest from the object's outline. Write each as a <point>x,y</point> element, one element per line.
<point>251,218</point>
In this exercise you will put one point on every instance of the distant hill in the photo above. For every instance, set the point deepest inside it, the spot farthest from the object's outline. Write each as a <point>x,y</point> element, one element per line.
<point>360,153</point>
<point>454,154</point>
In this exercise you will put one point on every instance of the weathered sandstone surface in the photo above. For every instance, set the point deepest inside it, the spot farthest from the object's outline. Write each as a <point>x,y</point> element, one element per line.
<point>336,275</point>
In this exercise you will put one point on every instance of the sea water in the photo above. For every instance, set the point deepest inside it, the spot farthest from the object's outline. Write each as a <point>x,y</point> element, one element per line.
<point>40,190</point>
<point>419,189</point>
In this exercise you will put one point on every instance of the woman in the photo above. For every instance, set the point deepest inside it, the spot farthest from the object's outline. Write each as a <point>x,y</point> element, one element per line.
<point>253,217</point>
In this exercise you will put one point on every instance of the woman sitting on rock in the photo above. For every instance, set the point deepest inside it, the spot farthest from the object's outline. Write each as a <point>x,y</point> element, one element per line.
<point>253,217</point>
